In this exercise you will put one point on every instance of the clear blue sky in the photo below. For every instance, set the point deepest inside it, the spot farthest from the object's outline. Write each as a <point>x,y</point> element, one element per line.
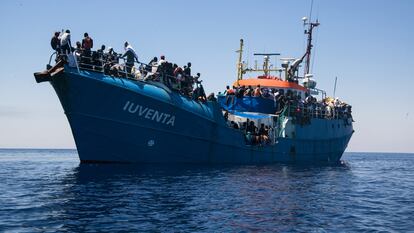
<point>367,44</point>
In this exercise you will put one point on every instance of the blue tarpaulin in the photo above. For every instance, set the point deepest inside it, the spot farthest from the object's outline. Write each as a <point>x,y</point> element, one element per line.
<point>250,116</point>
<point>247,104</point>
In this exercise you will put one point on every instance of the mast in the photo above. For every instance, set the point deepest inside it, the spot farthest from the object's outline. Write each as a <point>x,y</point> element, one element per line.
<point>309,45</point>
<point>240,64</point>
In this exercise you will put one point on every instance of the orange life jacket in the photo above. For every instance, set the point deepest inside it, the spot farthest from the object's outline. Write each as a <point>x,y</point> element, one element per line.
<point>87,43</point>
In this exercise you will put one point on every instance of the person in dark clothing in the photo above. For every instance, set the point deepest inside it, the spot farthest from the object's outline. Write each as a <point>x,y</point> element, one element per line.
<point>111,56</point>
<point>281,103</point>
<point>211,97</point>
<point>251,128</point>
<point>240,92</point>
<point>248,91</point>
<point>55,42</point>
<point>262,130</point>
<point>235,125</point>
<point>78,49</point>
<point>263,134</point>
<point>153,62</point>
<point>131,57</point>
<point>187,70</point>
<point>226,115</point>
<point>98,57</point>
<point>251,132</point>
<point>198,93</point>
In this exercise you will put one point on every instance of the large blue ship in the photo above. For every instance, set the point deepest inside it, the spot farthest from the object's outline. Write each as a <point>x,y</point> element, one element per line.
<point>133,120</point>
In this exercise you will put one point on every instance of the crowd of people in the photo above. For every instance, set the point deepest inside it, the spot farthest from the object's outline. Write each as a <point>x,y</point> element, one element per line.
<point>298,104</point>
<point>288,103</point>
<point>253,135</point>
<point>158,69</point>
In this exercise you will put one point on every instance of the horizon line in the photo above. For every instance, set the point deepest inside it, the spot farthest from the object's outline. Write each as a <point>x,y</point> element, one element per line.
<point>34,148</point>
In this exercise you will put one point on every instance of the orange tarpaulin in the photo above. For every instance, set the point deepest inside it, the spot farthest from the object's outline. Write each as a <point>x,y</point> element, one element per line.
<point>272,83</point>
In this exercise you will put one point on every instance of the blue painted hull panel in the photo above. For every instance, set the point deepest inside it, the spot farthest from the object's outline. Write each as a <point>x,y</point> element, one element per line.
<point>119,120</point>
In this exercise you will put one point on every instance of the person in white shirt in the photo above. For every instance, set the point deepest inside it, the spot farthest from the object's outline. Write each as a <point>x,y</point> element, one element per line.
<point>131,57</point>
<point>65,43</point>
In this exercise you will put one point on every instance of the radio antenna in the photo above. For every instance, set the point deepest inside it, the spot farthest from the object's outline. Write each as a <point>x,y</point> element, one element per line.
<point>334,92</point>
<point>310,12</point>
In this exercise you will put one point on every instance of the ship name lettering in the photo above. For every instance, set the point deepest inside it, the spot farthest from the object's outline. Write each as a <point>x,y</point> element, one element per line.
<point>149,113</point>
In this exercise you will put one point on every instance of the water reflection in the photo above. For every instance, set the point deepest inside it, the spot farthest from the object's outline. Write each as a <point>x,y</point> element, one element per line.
<point>166,198</point>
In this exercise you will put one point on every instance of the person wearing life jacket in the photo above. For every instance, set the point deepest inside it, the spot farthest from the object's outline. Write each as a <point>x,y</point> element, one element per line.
<point>257,92</point>
<point>87,44</point>
<point>178,74</point>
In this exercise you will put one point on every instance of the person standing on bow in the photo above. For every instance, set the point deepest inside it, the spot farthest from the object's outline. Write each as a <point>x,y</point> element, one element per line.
<point>65,43</point>
<point>55,42</point>
<point>87,44</point>
<point>131,57</point>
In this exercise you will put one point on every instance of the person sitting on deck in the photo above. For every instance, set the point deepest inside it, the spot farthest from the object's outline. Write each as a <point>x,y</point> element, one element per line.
<point>234,125</point>
<point>78,49</point>
<point>263,134</point>
<point>131,57</point>
<point>251,133</point>
<point>251,128</point>
<point>151,69</point>
<point>111,58</point>
<point>151,65</point>
<point>243,126</point>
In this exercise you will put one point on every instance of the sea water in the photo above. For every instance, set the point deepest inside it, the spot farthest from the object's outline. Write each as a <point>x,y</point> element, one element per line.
<point>50,191</point>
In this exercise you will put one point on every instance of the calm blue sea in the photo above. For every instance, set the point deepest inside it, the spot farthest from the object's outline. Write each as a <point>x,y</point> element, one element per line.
<point>49,191</point>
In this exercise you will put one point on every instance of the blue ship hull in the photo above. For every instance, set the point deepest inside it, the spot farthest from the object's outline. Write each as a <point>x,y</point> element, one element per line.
<point>120,120</point>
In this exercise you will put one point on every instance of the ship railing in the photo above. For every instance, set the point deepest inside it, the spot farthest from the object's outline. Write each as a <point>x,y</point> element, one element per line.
<point>320,112</point>
<point>302,115</point>
<point>49,65</point>
<point>138,72</point>
<point>91,63</point>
